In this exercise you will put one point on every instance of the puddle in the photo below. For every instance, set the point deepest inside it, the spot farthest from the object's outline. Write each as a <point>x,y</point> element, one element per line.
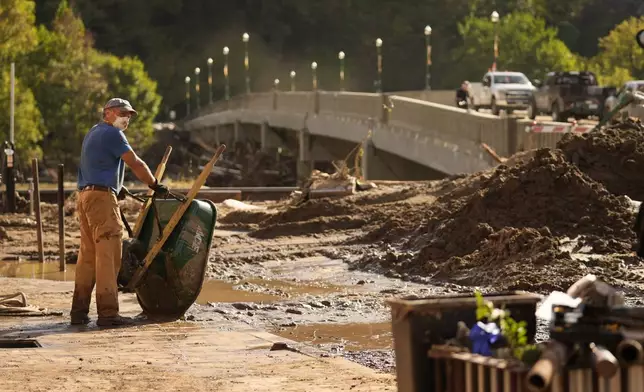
<point>219,291</point>
<point>37,270</point>
<point>259,290</point>
<point>250,290</point>
<point>354,337</point>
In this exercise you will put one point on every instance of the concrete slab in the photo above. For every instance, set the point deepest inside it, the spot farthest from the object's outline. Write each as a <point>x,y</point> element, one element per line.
<point>218,355</point>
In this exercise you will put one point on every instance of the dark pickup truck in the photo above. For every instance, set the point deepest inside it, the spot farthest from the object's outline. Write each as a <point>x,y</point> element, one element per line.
<point>568,94</point>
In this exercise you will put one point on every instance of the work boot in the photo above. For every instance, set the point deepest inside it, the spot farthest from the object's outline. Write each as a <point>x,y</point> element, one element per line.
<point>80,319</point>
<point>114,321</point>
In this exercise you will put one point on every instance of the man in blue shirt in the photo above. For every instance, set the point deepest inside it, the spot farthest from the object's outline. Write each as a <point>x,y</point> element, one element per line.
<point>104,154</point>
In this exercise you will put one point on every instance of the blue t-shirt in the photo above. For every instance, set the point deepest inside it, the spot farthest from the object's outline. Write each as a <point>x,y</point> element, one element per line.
<point>101,162</point>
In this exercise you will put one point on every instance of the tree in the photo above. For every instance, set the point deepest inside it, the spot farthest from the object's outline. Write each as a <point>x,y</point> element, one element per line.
<point>67,86</point>
<point>28,122</point>
<point>17,29</point>
<point>620,50</point>
<point>525,45</point>
<point>126,78</point>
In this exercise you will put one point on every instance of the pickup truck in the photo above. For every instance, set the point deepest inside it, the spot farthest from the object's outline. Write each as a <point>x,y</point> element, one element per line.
<point>568,94</point>
<point>498,91</point>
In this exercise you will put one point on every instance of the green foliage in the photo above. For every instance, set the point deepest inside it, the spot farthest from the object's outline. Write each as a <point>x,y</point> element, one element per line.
<point>126,78</point>
<point>526,45</point>
<point>17,30</point>
<point>513,331</point>
<point>68,87</point>
<point>620,50</point>
<point>70,82</point>
<point>28,122</point>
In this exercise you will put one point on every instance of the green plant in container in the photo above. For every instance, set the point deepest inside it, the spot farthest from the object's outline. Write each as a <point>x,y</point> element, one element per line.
<point>514,332</point>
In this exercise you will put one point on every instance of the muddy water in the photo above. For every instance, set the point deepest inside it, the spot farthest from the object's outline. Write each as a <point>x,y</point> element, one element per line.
<point>36,270</point>
<point>250,290</point>
<point>259,290</point>
<point>344,333</point>
<point>351,336</point>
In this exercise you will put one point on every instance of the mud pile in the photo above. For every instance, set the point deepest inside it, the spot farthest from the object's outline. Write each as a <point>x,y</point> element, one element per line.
<point>613,156</point>
<point>513,259</point>
<point>367,211</point>
<point>511,216</point>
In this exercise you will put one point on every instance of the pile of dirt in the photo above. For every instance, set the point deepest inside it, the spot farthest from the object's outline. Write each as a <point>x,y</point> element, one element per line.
<point>613,156</point>
<point>364,210</point>
<point>503,212</point>
<point>512,259</point>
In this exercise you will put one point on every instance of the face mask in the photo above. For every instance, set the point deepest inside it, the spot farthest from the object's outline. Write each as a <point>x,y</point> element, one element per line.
<point>121,122</point>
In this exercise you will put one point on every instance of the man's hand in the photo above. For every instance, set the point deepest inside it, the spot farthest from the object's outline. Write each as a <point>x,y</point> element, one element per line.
<point>159,189</point>
<point>123,193</point>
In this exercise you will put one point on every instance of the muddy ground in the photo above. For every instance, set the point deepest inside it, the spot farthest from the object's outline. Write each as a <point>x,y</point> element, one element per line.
<point>321,271</point>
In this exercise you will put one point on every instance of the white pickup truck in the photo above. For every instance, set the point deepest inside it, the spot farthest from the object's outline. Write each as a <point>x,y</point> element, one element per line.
<point>498,91</point>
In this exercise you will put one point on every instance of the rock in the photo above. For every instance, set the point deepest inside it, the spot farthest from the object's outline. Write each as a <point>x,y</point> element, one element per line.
<point>326,303</point>
<point>241,306</point>
<point>361,282</point>
<point>293,311</point>
<point>318,305</point>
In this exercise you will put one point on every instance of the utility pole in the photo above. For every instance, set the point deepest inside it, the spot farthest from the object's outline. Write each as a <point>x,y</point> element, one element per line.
<point>9,150</point>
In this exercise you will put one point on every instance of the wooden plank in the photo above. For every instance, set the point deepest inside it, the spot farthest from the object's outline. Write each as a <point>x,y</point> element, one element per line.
<point>148,203</point>
<point>176,217</point>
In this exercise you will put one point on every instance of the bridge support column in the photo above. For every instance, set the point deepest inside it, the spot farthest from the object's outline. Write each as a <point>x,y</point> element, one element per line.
<point>268,138</point>
<point>304,162</point>
<point>217,135</point>
<point>237,132</point>
<point>373,166</point>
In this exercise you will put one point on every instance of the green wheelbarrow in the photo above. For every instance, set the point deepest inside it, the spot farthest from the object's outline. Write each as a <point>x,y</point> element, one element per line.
<point>165,260</point>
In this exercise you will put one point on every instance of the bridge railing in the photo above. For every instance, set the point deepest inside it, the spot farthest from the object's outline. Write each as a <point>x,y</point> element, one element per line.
<point>505,135</point>
<point>296,101</point>
<point>450,123</point>
<point>363,105</point>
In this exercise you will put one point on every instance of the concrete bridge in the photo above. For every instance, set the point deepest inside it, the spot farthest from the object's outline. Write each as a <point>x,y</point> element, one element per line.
<point>403,138</point>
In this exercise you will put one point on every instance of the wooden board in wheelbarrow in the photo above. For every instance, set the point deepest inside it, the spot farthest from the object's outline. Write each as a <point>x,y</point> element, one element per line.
<point>174,279</point>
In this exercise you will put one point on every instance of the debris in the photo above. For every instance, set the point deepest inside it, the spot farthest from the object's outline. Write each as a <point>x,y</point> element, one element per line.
<point>15,305</point>
<point>613,156</point>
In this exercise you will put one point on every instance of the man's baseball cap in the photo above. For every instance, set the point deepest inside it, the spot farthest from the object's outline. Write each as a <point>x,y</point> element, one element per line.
<point>120,103</point>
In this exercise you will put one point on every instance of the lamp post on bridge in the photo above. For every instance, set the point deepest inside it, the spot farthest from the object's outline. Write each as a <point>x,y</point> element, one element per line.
<point>428,49</point>
<point>495,20</point>
<point>225,51</point>
<point>210,61</point>
<point>341,58</point>
<point>379,52</point>
<point>198,96</point>
<point>314,67</point>
<point>187,80</point>
<point>276,85</point>
<point>293,80</point>
<point>245,39</point>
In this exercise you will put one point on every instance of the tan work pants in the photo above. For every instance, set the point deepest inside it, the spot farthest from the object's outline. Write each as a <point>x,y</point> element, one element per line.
<point>99,259</point>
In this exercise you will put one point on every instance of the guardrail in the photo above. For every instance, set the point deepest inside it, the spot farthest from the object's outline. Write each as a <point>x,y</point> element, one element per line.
<point>464,130</point>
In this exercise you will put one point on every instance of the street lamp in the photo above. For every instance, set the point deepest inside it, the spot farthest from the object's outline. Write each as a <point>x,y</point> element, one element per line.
<point>379,51</point>
<point>210,61</point>
<point>292,80</point>
<point>187,94</point>
<point>198,96</point>
<point>495,20</point>
<point>428,47</point>
<point>276,84</point>
<point>341,58</point>
<point>314,66</point>
<point>246,38</point>
<point>226,79</point>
